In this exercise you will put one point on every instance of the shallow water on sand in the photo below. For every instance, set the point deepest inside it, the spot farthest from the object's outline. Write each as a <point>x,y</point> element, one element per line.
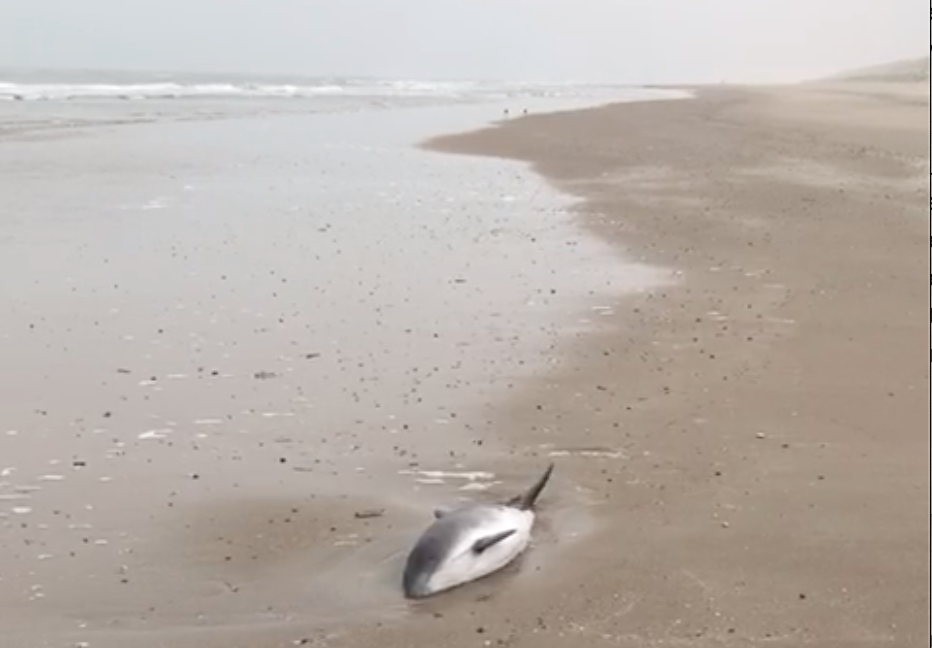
<point>243,358</point>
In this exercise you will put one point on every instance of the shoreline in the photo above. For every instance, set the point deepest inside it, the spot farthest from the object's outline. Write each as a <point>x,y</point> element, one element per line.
<point>775,460</point>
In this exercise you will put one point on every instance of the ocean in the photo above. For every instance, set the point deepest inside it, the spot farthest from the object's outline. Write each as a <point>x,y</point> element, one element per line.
<point>53,99</point>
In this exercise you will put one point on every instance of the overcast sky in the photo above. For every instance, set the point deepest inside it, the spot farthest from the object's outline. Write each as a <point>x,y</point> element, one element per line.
<point>618,40</point>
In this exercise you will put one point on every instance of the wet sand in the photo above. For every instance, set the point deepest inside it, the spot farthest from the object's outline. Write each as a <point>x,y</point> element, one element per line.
<point>742,451</point>
<point>237,371</point>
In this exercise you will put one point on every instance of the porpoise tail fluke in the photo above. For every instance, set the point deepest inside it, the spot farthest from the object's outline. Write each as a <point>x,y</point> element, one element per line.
<point>527,501</point>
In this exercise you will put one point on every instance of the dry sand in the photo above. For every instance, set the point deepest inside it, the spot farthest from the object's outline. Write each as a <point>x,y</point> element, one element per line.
<point>750,441</point>
<point>773,407</point>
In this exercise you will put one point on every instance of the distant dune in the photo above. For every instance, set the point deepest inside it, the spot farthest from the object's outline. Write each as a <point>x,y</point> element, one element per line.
<point>911,71</point>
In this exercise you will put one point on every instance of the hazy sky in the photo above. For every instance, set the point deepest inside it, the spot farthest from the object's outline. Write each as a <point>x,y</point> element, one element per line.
<point>619,40</point>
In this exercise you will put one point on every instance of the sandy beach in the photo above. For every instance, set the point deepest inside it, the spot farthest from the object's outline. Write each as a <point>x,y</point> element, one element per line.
<point>773,406</point>
<point>742,456</point>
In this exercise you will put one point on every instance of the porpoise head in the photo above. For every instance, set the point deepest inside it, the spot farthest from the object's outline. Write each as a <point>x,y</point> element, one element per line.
<point>467,543</point>
<point>423,562</point>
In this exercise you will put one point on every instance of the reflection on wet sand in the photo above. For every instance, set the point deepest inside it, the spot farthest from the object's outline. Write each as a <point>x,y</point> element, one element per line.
<point>224,352</point>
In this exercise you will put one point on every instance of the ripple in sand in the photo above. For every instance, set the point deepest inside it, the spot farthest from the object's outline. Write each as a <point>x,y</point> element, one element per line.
<point>154,435</point>
<point>479,487</point>
<point>14,497</point>
<point>589,453</point>
<point>441,477</point>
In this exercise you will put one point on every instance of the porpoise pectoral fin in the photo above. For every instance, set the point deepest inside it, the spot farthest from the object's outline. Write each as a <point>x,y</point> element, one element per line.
<point>527,501</point>
<point>490,541</point>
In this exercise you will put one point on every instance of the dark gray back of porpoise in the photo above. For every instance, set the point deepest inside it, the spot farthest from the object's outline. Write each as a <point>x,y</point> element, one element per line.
<point>434,546</point>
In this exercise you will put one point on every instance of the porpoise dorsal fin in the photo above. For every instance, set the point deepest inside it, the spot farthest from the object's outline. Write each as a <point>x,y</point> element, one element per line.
<point>488,542</point>
<point>527,501</point>
<point>441,511</point>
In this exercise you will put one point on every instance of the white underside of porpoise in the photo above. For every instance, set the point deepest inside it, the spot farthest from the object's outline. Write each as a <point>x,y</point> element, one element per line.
<point>463,565</point>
